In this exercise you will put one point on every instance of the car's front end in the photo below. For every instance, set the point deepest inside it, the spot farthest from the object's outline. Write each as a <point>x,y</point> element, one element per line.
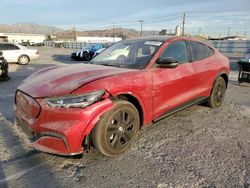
<point>59,125</point>
<point>74,56</point>
<point>56,118</point>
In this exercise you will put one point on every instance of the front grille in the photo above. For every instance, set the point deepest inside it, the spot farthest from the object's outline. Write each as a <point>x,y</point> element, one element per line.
<point>27,106</point>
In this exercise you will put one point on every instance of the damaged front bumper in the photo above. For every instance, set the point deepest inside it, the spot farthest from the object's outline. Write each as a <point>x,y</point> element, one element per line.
<point>59,131</point>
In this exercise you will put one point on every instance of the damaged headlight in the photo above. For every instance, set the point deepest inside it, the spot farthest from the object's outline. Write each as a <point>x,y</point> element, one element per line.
<point>76,101</point>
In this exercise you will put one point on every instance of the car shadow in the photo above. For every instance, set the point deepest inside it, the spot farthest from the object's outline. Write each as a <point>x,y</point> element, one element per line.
<point>66,59</point>
<point>18,164</point>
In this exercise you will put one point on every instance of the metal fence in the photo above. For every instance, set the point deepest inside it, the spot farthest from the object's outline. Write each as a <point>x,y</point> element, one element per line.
<point>224,46</point>
<point>232,46</point>
<point>75,45</point>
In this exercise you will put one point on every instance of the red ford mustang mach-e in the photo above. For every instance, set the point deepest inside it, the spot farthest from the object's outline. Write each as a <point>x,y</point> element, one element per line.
<point>65,109</point>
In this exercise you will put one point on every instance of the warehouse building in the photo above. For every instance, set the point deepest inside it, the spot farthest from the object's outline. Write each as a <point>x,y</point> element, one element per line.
<point>22,37</point>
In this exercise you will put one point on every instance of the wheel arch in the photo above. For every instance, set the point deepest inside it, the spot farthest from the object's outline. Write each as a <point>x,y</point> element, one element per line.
<point>135,101</point>
<point>24,55</point>
<point>86,140</point>
<point>224,75</point>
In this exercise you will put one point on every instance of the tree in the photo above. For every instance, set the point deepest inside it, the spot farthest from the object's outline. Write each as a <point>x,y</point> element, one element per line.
<point>163,32</point>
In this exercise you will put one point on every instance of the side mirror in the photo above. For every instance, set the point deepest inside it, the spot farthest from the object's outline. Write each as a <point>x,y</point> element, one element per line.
<point>167,63</point>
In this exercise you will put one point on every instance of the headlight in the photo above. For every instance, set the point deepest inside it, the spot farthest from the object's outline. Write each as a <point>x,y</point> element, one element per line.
<point>76,101</point>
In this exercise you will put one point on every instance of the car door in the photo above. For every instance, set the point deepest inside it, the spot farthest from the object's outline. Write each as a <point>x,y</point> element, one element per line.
<point>172,86</point>
<point>204,66</point>
<point>10,52</point>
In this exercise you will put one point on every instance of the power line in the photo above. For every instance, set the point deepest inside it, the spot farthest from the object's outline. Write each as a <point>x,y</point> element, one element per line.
<point>216,11</point>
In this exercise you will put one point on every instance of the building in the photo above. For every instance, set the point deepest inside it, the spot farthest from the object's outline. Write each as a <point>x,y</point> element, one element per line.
<point>22,37</point>
<point>178,30</point>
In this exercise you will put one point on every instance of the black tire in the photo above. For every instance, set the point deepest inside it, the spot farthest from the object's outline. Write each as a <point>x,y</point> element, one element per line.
<point>23,60</point>
<point>85,56</point>
<point>117,129</point>
<point>218,93</point>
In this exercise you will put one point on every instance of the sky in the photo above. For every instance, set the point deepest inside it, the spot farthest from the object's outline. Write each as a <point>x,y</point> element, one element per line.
<point>202,16</point>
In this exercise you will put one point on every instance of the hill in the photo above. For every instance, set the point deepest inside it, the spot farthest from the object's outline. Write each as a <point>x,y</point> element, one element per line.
<point>49,30</point>
<point>29,28</point>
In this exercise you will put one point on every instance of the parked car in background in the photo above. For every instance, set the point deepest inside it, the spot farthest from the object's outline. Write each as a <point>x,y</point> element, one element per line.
<point>25,43</point>
<point>38,44</point>
<point>86,53</point>
<point>16,53</point>
<point>66,109</point>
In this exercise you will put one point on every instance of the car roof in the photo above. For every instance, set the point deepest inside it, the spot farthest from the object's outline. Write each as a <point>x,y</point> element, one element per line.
<point>161,38</point>
<point>153,38</point>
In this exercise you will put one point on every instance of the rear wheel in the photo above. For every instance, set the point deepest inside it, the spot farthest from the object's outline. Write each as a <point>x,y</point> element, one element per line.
<point>23,60</point>
<point>218,93</point>
<point>117,129</point>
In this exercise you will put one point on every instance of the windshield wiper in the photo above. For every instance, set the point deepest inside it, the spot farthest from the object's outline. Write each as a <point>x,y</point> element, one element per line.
<point>109,64</point>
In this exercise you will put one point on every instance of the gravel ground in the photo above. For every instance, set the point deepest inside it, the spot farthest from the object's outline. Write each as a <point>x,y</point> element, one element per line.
<point>196,147</point>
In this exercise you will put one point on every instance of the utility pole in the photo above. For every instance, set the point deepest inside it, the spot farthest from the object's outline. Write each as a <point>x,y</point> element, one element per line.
<point>245,32</point>
<point>183,23</point>
<point>228,31</point>
<point>199,31</point>
<point>74,33</point>
<point>113,32</point>
<point>141,26</point>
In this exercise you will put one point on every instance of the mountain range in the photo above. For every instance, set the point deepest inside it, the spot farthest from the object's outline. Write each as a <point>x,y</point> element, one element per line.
<point>33,28</point>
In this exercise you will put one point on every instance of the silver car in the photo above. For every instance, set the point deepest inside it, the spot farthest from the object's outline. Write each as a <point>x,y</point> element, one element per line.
<point>15,53</point>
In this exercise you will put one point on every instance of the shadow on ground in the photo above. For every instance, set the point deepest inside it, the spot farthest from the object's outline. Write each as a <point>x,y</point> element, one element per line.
<point>18,163</point>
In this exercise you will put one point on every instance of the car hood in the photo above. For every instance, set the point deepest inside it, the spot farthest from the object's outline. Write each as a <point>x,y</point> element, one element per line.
<point>62,80</point>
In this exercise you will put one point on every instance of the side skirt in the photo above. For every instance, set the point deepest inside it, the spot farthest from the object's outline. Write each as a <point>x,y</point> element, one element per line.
<point>181,107</point>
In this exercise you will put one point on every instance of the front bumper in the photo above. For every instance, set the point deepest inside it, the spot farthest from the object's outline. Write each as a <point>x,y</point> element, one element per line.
<point>75,57</point>
<point>60,130</point>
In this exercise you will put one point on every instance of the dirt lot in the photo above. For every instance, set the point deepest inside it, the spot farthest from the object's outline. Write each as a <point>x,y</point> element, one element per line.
<point>197,147</point>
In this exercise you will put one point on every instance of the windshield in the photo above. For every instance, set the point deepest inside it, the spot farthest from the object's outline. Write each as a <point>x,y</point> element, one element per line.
<point>92,47</point>
<point>133,54</point>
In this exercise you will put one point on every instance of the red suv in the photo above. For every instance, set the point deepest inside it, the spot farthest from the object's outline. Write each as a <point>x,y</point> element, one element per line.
<point>104,103</point>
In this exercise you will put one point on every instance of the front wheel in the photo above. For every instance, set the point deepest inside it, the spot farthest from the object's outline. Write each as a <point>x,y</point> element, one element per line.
<point>117,129</point>
<point>218,93</point>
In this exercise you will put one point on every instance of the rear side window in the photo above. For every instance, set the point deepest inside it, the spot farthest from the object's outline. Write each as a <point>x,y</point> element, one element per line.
<point>1,46</point>
<point>177,51</point>
<point>200,51</point>
<point>7,46</point>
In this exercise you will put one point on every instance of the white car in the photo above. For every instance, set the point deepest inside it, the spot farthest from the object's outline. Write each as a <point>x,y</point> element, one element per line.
<point>15,53</point>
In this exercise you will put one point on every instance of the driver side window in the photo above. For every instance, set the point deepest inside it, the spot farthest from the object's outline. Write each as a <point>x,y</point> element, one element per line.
<point>177,51</point>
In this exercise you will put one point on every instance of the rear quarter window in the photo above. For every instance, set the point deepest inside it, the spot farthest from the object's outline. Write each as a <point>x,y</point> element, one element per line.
<point>8,46</point>
<point>200,51</point>
<point>1,47</point>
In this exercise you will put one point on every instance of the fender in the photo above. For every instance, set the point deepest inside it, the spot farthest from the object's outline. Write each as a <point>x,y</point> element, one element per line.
<point>220,74</point>
<point>98,113</point>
